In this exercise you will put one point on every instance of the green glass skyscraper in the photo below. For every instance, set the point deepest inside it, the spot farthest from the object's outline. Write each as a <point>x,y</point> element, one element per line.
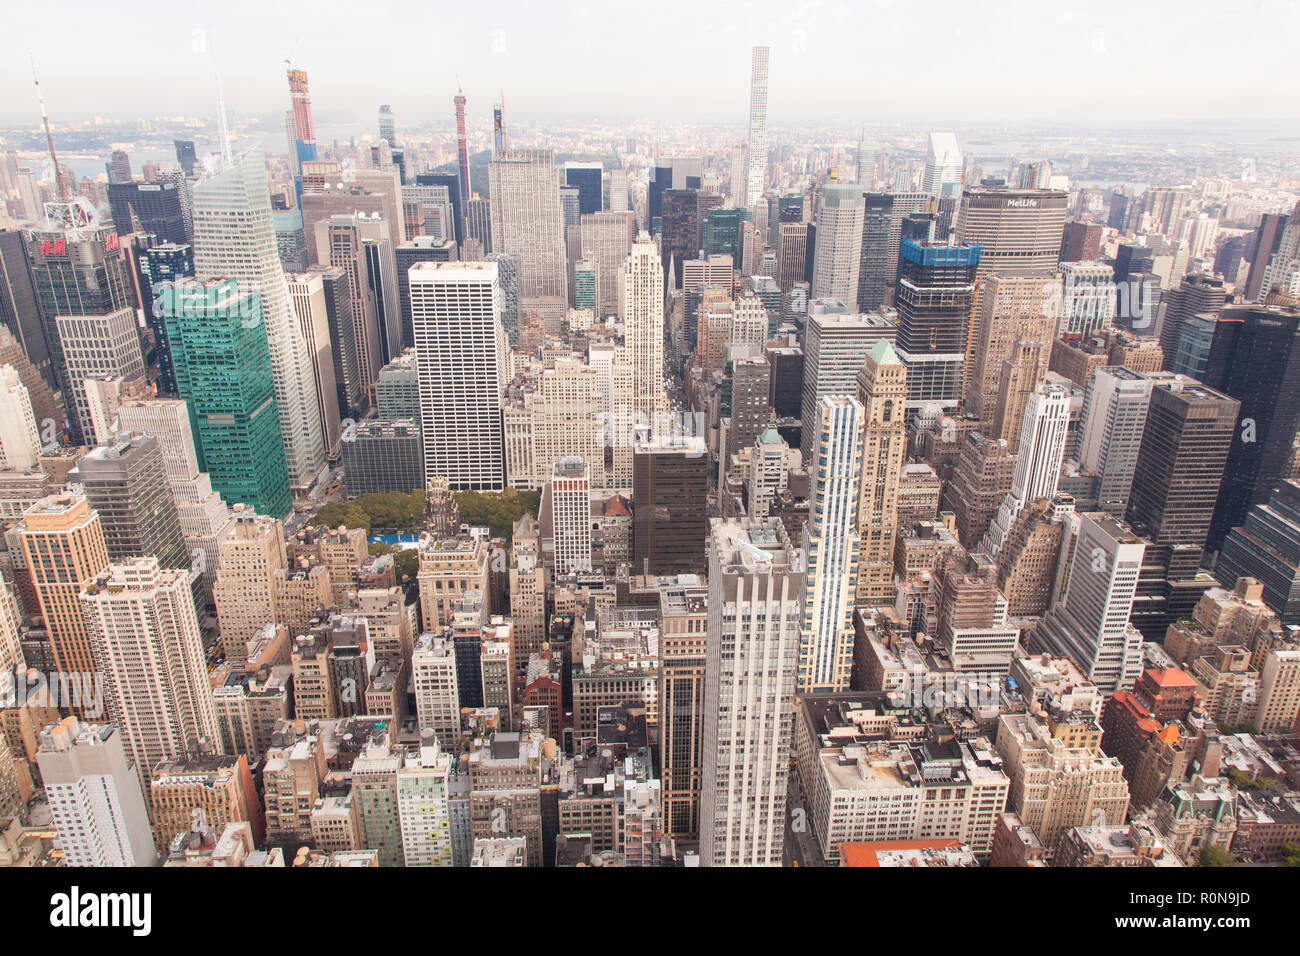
<point>223,371</point>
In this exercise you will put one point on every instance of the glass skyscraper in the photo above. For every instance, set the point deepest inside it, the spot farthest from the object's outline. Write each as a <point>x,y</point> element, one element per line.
<point>223,370</point>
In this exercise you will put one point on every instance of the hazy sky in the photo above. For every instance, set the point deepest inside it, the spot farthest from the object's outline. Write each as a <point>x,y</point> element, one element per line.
<point>1097,62</point>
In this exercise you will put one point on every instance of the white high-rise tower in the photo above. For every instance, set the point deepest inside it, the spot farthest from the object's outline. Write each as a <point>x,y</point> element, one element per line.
<point>943,165</point>
<point>641,298</point>
<point>461,356</point>
<point>20,442</point>
<point>234,237</point>
<point>833,549</point>
<point>1038,462</point>
<point>756,584</point>
<point>757,127</point>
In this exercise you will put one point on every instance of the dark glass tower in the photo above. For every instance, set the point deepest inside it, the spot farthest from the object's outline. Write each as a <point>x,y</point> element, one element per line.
<point>588,181</point>
<point>166,262</point>
<point>1179,467</point>
<point>936,286</point>
<point>157,206</point>
<point>1259,366</point>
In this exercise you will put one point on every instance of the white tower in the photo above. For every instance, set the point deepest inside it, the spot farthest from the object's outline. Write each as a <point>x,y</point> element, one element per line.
<point>1038,462</point>
<point>757,127</point>
<point>20,442</point>
<point>461,355</point>
<point>832,548</point>
<point>756,584</point>
<point>641,294</point>
<point>571,514</point>
<point>95,796</point>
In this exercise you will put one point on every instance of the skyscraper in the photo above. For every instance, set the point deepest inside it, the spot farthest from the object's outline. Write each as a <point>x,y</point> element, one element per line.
<point>943,165</point>
<point>80,271</point>
<point>641,298</point>
<point>223,370</point>
<point>528,220</point>
<point>302,132</point>
<point>835,345</point>
<point>1010,320</point>
<point>882,232</point>
<point>1091,623</point>
<point>126,484</point>
<point>607,239</point>
<point>756,582</point>
<point>499,126</point>
<point>832,549</point>
<point>756,177</point>
<point>1110,432</point>
<point>1038,461</point>
<point>1017,228</point>
<point>164,262</point>
<point>570,506</point>
<point>234,237</point>
<point>63,547</point>
<point>146,639</point>
<point>19,313</point>
<point>1266,547</point>
<point>462,152</point>
<point>1195,295</point>
<point>588,177</point>
<point>95,797</point>
<point>1185,443</point>
<point>1257,363</point>
<point>837,257</point>
<point>882,392</point>
<point>311,308</point>
<point>156,207</point>
<point>670,482</point>
<point>460,347</point>
<point>20,441</point>
<point>97,347</point>
<point>935,292</point>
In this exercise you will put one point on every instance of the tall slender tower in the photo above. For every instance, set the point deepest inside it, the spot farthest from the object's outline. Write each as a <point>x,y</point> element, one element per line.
<point>1038,462</point>
<point>462,151</point>
<point>882,391</point>
<point>301,129</point>
<point>757,127</point>
<point>831,543</point>
<point>499,127</point>
<point>641,297</point>
<point>234,237</point>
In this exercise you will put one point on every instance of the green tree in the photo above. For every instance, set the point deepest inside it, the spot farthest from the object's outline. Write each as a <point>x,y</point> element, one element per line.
<point>407,563</point>
<point>499,510</point>
<point>1217,856</point>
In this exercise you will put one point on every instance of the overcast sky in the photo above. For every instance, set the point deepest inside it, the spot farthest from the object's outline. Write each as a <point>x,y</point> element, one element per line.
<point>1104,62</point>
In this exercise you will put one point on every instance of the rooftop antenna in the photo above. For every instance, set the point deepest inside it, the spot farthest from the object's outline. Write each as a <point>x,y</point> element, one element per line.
<point>49,137</point>
<point>223,129</point>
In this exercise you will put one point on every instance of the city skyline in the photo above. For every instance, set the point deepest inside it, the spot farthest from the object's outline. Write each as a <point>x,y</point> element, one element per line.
<point>760,490</point>
<point>829,59</point>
